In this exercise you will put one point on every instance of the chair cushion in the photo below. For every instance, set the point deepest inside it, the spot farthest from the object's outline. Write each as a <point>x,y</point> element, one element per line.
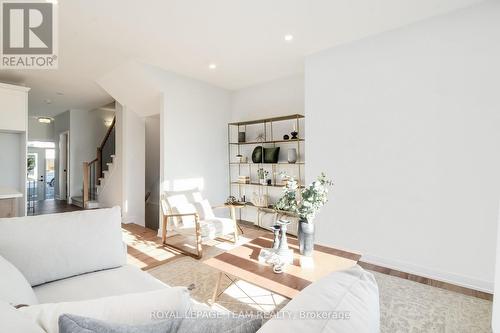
<point>209,229</point>
<point>13,320</point>
<point>129,309</point>
<point>51,247</point>
<point>204,209</point>
<point>110,282</point>
<point>184,221</point>
<point>14,288</point>
<point>218,226</point>
<point>347,301</point>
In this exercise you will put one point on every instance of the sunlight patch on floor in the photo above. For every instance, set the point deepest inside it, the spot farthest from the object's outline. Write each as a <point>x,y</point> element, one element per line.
<point>254,296</point>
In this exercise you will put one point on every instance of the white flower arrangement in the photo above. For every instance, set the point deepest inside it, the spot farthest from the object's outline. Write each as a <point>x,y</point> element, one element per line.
<point>305,203</point>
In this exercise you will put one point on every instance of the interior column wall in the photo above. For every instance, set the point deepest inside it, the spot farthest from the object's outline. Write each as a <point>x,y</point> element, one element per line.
<point>132,147</point>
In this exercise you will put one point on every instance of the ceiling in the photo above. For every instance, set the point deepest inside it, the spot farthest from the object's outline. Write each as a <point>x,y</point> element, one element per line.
<point>245,38</point>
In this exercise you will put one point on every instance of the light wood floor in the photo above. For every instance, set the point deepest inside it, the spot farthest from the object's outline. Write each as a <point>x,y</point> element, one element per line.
<point>145,250</point>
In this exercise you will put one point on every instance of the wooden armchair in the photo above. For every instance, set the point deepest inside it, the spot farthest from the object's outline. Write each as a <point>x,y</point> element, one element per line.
<point>187,213</point>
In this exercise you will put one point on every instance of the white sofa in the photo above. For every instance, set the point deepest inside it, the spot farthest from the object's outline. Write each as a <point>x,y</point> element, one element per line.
<point>76,262</point>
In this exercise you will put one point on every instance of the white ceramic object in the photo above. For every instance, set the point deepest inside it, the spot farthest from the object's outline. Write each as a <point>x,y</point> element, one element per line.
<point>292,155</point>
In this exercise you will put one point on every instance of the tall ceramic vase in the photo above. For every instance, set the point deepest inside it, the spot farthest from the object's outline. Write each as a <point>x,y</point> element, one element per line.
<point>292,155</point>
<point>306,238</point>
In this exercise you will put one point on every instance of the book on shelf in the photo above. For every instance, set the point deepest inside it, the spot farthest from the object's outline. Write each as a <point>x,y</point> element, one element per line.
<point>244,179</point>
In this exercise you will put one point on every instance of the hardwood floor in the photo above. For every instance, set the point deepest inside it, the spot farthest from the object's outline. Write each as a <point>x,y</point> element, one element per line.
<point>53,207</point>
<point>146,251</point>
<point>427,281</point>
<point>144,247</point>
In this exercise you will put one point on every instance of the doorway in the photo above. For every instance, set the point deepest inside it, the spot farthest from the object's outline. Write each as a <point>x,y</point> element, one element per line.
<point>41,170</point>
<point>44,181</point>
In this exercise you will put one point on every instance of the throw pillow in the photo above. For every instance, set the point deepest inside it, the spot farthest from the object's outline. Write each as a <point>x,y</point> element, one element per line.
<point>204,324</point>
<point>14,288</point>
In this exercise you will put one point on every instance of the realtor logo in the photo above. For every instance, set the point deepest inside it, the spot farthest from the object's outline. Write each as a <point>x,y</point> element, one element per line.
<point>28,35</point>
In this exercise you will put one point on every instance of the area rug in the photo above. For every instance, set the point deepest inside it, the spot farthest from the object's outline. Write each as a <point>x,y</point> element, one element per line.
<point>405,306</point>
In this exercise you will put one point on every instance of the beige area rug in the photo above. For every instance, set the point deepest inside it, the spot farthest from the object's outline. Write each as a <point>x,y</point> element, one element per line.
<point>405,306</point>
<point>242,297</point>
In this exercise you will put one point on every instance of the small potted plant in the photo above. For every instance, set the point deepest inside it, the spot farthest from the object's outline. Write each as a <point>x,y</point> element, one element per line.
<point>262,174</point>
<point>305,204</point>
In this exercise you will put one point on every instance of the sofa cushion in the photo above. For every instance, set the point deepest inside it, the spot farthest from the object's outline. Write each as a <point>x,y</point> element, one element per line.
<point>345,301</point>
<point>51,247</point>
<point>128,309</point>
<point>13,320</point>
<point>14,288</point>
<point>110,282</point>
<point>204,323</point>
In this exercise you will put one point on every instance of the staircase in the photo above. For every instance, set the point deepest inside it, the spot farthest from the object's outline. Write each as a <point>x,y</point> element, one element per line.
<point>97,171</point>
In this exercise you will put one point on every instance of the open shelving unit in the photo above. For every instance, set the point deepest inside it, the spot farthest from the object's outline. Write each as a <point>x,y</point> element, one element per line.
<point>271,132</point>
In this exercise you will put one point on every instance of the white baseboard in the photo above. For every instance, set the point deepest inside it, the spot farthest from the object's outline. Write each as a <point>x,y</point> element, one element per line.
<point>133,219</point>
<point>459,280</point>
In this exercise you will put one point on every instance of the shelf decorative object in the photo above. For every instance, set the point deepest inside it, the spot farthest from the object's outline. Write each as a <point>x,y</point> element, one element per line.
<point>263,174</point>
<point>280,254</point>
<point>260,200</point>
<point>263,138</point>
<point>292,155</point>
<point>271,155</point>
<point>306,203</point>
<point>257,154</point>
<point>241,136</point>
<point>294,132</point>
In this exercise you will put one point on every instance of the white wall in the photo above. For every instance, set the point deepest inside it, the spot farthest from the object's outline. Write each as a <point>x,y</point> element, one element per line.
<point>194,117</point>
<point>496,300</point>
<point>133,167</point>
<point>40,132</point>
<point>407,124</point>
<point>270,99</point>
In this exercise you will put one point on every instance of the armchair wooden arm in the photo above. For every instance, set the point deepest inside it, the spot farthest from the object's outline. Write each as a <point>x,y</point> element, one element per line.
<point>181,215</point>
<point>166,216</point>
<point>232,210</point>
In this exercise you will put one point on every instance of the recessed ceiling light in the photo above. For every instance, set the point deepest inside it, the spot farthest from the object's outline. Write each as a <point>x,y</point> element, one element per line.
<point>44,120</point>
<point>47,101</point>
<point>288,38</point>
<point>212,66</point>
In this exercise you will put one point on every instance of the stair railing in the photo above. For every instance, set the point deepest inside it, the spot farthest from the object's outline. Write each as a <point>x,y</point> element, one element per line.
<point>93,170</point>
